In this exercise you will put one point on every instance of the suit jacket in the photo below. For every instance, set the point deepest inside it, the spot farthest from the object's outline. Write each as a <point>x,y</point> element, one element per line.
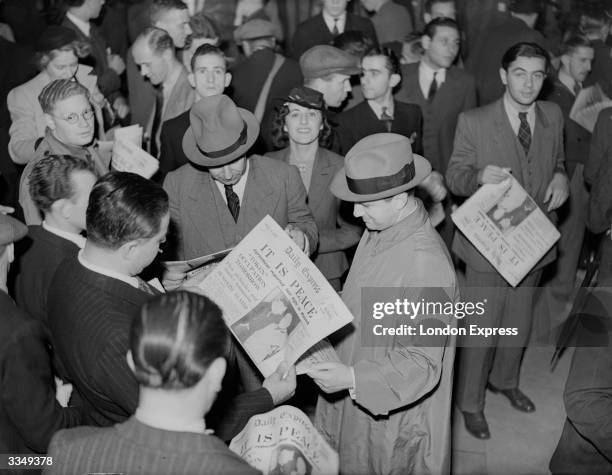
<point>203,222</point>
<point>40,254</point>
<point>109,81</point>
<point>598,173</point>
<point>136,448</point>
<point>392,22</point>
<point>29,412</point>
<point>600,148</point>
<point>141,94</point>
<point>455,95</point>
<point>248,78</point>
<point>361,121</point>
<point>314,32</point>
<point>577,138</point>
<point>485,137</point>
<point>171,154</point>
<point>335,233</point>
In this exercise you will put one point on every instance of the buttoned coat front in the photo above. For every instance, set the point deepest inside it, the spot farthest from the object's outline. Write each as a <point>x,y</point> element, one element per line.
<point>399,422</point>
<point>485,137</point>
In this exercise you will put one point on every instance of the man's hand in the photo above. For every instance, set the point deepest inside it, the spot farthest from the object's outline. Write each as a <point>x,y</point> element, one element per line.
<point>557,191</point>
<point>492,174</point>
<point>115,62</point>
<point>6,209</point>
<point>281,384</point>
<point>434,185</point>
<point>299,238</point>
<point>332,377</point>
<point>172,280</point>
<point>121,107</point>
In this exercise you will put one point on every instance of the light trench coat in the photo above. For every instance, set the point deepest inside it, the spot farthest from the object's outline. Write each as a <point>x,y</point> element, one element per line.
<point>400,419</point>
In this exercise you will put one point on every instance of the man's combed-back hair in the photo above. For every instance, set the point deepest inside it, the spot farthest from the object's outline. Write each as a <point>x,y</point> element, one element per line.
<point>160,7</point>
<point>59,90</point>
<point>527,50</point>
<point>157,39</point>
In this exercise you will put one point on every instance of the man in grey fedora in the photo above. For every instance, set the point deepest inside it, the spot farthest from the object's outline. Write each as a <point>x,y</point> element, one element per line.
<point>389,404</point>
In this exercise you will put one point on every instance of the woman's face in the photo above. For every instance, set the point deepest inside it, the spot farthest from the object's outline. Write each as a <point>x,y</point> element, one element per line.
<point>303,124</point>
<point>63,65</point>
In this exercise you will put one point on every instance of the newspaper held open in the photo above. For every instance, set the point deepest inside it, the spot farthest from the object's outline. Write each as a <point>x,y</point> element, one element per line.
<point>507,227</point>
<point>587,106</point>
<point>284,441</point>
<point>128,156</point>
<point>275,301</point>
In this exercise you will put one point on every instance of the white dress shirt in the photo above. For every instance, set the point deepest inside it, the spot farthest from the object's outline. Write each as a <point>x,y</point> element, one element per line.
<point>329,21</point>
<point>128,279</point>
<point>513,115</point>
<point>426,73</point>
<point>238,187</point>
<point>378,108</point>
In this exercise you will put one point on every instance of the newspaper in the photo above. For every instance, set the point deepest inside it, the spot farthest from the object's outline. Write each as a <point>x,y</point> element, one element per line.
<point>128,156</point>
<point>275,301</point>
<point>589,102</point>
<point>507,227</point>
<point>284,441</point>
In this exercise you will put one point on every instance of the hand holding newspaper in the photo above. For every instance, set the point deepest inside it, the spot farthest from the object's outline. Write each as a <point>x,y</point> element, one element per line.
<point>587,106</point>
<point>128,156</point>
<point>284,441</point>
<point>507,227</point>
<point>275,301</point>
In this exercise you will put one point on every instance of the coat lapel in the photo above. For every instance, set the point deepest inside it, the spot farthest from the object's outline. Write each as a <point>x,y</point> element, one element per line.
<point>258,195</point>
<point>204,213</point>
<point>506,139</point>
<point>321,177</point>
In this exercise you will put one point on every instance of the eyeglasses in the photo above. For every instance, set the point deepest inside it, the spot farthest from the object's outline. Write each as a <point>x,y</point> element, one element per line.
<point>73,118</point>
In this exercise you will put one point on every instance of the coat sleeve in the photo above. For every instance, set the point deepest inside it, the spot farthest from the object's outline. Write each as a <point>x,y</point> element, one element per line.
<point>23,133</point>
<point>28,390</point>
<point>462,171</point>
<point>298,213</point>
<point>344,236</point>
<point>174,246</point>
<point>238,412</point>
<point>600,146</point>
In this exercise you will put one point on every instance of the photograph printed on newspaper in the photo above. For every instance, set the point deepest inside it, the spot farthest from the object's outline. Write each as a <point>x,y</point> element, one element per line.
<point>283,442</point>
<point>275,301</point>
<point>507,227</point>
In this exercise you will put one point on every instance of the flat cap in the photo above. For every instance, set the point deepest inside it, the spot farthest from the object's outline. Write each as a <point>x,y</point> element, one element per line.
<point>254,29</point>
<point>321,60</point>
<point>11,230</point>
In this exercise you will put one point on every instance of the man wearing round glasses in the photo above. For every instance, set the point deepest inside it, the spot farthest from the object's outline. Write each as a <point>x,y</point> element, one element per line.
<point>70,131</point>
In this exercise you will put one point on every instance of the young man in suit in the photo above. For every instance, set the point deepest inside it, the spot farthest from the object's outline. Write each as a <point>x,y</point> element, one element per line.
<point>514,135</point>
<point>324,27</point>
<point>575,67</point>
<point>209,77</point>
<point>442,91</point>
<point>153,52</point>
<point>60,187</point>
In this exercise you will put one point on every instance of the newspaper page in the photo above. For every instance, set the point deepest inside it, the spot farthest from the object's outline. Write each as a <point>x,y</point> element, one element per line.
<point>128,156</point>
<point>507,227</point>
<point>589,102</point>
<point>284,442</point>
<point>274,299</point>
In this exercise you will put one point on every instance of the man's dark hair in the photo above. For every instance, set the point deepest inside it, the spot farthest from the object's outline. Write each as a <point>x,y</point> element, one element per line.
<point>207,49</point>
<point>527,50</point>
<point>391,61</point>
<point>50,179</point>
<point>175,339</point>
<point>157,39</point>
<point>576,41</point>
<point>73,3</point>
<point>432,27</point>
<point>161,7</point>
<point>124,207</point>
<point>430,3</point>
<point>353,42</point>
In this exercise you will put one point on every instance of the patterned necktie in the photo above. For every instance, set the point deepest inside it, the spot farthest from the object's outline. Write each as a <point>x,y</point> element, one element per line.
<point>577,88</point>
<point>386,118</point>
<point>433,88</point>
<point>157,119</point>
<point>233,202</point>
<point>146,288</point>
<point>524,132</point>
<point>335,30</point>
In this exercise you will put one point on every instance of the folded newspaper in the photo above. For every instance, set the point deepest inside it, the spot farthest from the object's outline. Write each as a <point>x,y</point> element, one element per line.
<point>589,102</point>
<point>284,441</point>
<point>507,227</point>
<point>128,156</point>
<point>275,301</point>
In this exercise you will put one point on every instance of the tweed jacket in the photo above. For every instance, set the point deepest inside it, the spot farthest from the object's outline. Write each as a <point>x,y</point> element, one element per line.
<point>335,233</point>
<point>455,95</point>
<point>485,137</point>
<point>202,219</point>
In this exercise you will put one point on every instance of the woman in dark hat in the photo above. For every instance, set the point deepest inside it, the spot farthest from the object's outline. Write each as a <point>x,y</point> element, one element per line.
<point>57,55</point>
<point>300,125</point>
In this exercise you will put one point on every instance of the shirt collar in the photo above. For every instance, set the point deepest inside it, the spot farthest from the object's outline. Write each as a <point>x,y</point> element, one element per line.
<point>427,71</point>
<point>84,26</point>
<point>377,108</point>
<point>238,187</point>
<point>329,21</point>
<point>566,80</point>
<point>513,112</point>
<point>73,237</point>
<point>133,281</point>
<point>160,421</point>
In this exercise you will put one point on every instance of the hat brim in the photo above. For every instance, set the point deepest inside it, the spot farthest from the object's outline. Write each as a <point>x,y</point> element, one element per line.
<point>339,186</point>
<point>281,101</point>
<point>194,155</point>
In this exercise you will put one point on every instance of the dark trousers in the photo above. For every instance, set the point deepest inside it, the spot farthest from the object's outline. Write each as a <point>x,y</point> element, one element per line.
<point>500,361</point>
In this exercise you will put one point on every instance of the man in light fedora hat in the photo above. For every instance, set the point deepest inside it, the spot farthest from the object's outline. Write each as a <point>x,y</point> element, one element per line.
<point>390,411</point>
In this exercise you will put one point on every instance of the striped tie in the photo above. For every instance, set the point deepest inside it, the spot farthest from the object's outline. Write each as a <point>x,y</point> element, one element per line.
<point>233,202</point>
<point>387,119</point>
<point>524,132</point>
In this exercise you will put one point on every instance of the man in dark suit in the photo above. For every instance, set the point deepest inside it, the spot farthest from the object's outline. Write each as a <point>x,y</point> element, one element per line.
<point>262,76</point>
<point>514,135</point>
<point>575,66</point>
<point>29,412</point>
<point>324,27</point>
<point>60,187</point>
<point>209,77</point>
<point>442,91</point>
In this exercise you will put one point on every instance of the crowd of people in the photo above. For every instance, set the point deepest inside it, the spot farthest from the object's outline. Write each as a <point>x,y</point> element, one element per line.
<point>348,132</point>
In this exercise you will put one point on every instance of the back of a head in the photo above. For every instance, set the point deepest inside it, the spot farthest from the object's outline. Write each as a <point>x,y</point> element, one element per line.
<point>156,39</point>
<point>160,8</point>
<point>59,90</point>
<point>124,207</point>
<point>203,26</point>
<point>353,42</point>
<point>527,50</point>
<point>175,338</point>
